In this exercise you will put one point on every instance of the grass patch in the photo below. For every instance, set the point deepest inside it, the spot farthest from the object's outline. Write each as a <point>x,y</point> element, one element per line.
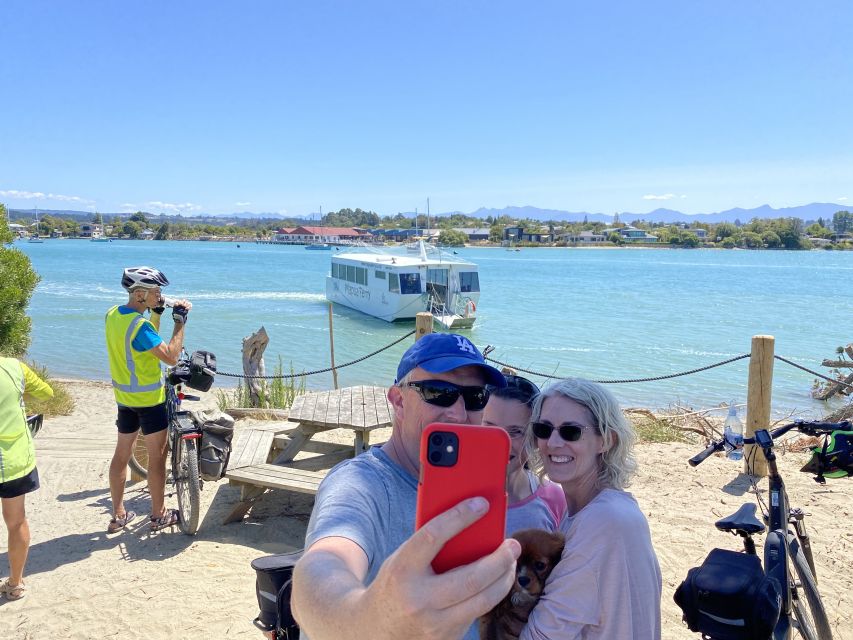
<point>277,393</point>
<point>654,429</point>
<point>61,404</point>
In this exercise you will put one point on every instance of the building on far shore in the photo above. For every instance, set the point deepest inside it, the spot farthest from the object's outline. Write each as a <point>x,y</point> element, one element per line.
<point>318,235</point>
<point>631,234</point>
<point>582,238</point>
<point>91,230</point>
<point>518,234</point>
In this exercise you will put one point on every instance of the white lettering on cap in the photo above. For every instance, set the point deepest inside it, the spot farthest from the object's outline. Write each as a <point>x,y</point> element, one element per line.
<point>465,345</point>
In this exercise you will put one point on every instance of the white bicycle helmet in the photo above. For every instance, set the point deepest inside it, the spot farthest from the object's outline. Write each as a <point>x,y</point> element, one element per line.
<point>143,277</point>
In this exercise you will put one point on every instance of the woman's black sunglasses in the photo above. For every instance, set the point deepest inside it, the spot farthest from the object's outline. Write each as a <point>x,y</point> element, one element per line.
<point>568,432</point>
<point>518,386</point>
<point>445,394</point>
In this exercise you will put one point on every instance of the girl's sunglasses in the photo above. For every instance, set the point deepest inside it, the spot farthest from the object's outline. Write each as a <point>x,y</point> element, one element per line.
<point>568,432</point>
<point>445,394</point>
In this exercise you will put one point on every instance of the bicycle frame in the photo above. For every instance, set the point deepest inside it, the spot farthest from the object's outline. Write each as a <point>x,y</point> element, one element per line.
<point>787,546</point>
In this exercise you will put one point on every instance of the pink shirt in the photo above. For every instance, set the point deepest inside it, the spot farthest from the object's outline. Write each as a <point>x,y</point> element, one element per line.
<point>607,585</point>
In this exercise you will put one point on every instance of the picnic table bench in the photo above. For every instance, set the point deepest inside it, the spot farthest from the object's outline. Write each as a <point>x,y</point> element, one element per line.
<point>276,456</point>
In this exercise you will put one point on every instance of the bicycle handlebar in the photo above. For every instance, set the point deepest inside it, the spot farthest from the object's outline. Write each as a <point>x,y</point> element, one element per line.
<point>811,428</point>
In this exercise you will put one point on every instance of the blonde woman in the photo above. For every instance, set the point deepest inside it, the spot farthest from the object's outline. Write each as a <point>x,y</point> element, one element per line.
<point>608,583</point>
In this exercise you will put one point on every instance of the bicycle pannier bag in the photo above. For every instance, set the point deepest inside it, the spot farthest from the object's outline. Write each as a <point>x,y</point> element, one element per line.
<point>215,448</point>
<point>200,360</point>
<point>273,575</point>
<point>834,459</point>
<point>729,597</point>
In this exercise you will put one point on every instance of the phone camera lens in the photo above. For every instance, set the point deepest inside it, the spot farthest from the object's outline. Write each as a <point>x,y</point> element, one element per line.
<point>435,457</point>
<point>436,439</point>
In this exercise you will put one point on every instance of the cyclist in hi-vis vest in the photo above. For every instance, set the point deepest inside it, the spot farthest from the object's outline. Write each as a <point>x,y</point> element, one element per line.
<point>135,350</point>
<point>18,473</point>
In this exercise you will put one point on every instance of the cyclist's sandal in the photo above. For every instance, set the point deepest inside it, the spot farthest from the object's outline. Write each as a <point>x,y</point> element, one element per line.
<point>13,593</point>
<point>120,522</point>
<point>170,518</point>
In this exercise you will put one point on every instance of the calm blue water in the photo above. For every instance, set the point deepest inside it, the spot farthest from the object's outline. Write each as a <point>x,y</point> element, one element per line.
<point>603,314</point>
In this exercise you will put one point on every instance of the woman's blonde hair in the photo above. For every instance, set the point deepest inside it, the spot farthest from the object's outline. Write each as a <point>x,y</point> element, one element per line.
<point>618,464</point>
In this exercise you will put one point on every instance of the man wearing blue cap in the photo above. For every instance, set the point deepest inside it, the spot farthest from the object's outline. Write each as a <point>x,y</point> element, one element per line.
<point>366,572</point>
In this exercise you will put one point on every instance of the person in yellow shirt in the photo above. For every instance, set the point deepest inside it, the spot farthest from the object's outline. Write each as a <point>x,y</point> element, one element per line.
<point>135,351</point>
<point>18,473</point>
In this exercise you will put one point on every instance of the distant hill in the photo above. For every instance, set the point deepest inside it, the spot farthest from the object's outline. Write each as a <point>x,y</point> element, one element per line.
<point>806,212</point>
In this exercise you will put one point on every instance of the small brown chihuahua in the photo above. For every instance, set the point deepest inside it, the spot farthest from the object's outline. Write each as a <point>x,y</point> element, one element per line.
<point>540,553</point>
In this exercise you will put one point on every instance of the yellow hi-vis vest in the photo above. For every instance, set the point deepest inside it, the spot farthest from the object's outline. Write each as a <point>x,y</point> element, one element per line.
<point>17,451</point>
<point>137,378</point>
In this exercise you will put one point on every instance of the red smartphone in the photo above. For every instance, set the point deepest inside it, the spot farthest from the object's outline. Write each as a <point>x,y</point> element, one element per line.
<point>460,461</point>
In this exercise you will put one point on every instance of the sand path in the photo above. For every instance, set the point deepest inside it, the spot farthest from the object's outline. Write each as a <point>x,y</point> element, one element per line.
<point>85,584</point>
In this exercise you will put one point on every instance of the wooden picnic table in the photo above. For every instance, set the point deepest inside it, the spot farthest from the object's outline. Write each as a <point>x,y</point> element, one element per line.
<point>360,409</point>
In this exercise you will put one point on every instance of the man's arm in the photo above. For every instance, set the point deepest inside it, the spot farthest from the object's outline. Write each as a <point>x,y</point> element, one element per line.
<point>407,599</point>
<point>34,386</point>
<point>169,352</point>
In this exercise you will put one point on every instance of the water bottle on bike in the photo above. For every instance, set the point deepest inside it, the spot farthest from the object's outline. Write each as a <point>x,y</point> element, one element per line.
<point>733,434</point>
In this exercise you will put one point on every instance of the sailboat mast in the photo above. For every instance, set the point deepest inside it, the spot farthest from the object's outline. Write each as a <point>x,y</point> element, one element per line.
<point>427,218</point>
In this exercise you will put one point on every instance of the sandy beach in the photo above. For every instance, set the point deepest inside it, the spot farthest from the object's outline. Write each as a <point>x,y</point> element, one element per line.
<point>85,584</point>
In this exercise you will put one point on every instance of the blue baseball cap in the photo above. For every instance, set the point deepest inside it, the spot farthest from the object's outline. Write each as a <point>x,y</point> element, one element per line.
<point>443,352</point>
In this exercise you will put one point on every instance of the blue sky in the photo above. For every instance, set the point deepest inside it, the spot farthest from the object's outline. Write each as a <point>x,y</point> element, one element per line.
<point>287,107</point>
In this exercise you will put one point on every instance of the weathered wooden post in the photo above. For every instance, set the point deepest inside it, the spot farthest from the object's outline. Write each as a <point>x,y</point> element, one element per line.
<point>253,364</point>
<point>332,347</point>
<point>759,392</point>
<point>423,324</point>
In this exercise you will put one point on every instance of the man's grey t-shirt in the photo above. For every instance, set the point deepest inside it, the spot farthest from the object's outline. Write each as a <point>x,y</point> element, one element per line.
<point>370,500</point>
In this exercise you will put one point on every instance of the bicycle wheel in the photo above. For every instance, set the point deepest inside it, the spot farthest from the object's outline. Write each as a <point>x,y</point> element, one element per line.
<point>139,458</point>
<point>187,485</point>
<point>810,618</point>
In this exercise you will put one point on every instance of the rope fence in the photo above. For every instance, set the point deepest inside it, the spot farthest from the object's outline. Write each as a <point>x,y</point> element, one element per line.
<point>489,349</point>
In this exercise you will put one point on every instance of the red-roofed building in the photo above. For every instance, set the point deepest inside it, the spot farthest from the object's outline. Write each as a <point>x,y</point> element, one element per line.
<point>310,235</point>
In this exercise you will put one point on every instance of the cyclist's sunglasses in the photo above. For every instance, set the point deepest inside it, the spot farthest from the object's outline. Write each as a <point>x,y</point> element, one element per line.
<point>524,386</point>
<point>568,432</point>
<point>444,394</point>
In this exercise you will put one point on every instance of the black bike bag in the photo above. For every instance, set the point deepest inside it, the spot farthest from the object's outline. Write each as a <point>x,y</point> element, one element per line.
<point>273,577</point>
<point>191,371</point>
<point>729,597</point>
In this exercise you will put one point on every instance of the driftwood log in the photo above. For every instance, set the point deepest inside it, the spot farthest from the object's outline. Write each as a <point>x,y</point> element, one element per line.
<point>843,386</point>
<point>253,364</point>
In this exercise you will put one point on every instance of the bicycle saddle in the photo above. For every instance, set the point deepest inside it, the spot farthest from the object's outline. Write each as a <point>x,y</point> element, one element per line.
<point>742,520</point>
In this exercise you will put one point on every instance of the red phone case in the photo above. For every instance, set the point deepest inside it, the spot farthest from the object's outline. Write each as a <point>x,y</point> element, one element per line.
<point>480,470</point>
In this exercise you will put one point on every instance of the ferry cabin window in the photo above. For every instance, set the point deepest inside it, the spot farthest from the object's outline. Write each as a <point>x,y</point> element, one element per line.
<point>469,282</point>
<point>437,276</point>
<point>410,283</point>
<point>361,275</point>
<point>393,283</point>
<point>350,273</point>
<point>380,275</point>
<point>334,269</point>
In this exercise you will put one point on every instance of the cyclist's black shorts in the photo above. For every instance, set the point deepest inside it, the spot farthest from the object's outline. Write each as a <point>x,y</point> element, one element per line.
<point>20,486</point>
<point>151,419</point>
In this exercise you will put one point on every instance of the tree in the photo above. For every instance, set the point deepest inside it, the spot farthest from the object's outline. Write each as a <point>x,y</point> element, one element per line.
<point>689,240</point>
<point>842,221</point>
<point>131,229</point>
<point>752,240</point>
<point>139,216</point>
<point>452,238</point>
<point>817,230</point>
<point>771,239</point>
<point>615,238</point>
<point>496,233</point>
<point>162,232</point>
<point>17,281</point>
<point>96,218</point>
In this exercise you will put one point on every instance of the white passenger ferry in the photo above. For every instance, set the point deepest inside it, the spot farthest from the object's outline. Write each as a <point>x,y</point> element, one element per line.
<point>392,284</point>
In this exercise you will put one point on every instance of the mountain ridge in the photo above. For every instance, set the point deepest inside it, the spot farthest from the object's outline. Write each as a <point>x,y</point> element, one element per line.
<point>807,212</point>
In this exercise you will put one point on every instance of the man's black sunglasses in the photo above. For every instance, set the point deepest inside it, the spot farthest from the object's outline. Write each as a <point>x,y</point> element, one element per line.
<point>568,432</point>
<point>445,394</point>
